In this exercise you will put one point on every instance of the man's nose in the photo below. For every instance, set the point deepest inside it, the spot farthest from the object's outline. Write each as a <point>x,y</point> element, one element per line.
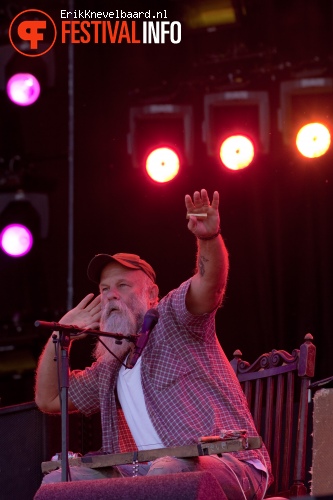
<point>113,294</point>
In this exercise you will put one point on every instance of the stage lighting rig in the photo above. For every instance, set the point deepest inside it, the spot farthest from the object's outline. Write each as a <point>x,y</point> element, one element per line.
<point>25,77</point>
<point>240,115</point>
<point>23,219</point>
<point>307,102</point>
<point>165,130</point>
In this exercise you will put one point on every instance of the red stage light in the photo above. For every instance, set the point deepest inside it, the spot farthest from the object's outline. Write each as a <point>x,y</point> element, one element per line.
<point>313,140</point>
<point>237,152</point>
<point>162,164</point>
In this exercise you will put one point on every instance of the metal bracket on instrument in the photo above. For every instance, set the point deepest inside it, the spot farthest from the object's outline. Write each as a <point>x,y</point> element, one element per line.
<point>202,451</point>
<point>135,463</point>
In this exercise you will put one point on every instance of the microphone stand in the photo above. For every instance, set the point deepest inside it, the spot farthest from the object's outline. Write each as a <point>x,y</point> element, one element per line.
<point>64,341</point>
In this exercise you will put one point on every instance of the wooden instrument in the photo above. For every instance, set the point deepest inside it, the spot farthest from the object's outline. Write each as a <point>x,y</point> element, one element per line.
<point>208,445</point>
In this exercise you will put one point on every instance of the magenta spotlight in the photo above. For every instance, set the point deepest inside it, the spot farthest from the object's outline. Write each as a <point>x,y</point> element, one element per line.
<point>23,89</point>
<point>16,240</point>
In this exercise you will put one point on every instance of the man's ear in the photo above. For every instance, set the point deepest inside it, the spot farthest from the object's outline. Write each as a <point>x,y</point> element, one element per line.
<point>153,295</point>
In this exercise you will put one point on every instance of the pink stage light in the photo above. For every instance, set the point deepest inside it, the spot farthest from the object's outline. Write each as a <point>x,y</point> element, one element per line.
<point>16,240</point>
<point>23,89</point>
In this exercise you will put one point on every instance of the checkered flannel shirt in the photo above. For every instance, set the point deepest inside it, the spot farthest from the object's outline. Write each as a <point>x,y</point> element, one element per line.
<point>189,386</point>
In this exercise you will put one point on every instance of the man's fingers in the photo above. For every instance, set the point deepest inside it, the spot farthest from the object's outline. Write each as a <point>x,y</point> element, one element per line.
<point>197,199</point>
<point>201,200</point>
<point>192,223</point>
<point>95,315</point>
<point>90,305</point>
<point>189,203</point>
<point>95,310</point>
<point>85,301</point>
<point>204,198</point>
<point>94,304</point>
<point>94,325</point>
<point>216,200</point>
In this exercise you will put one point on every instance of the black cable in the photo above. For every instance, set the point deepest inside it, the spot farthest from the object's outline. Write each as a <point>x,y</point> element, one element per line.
<point>113,354</point>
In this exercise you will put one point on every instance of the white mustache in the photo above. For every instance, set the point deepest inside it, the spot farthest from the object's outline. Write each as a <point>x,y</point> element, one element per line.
<point>112,306</point>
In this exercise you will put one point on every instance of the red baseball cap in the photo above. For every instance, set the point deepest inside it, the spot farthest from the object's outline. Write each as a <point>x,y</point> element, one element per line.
<point>129,260</point>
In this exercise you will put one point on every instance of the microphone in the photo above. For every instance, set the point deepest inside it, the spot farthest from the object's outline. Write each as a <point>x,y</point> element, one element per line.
<point>149,321</point>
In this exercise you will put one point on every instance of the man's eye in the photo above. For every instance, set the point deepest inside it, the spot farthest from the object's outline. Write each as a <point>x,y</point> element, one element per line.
<point>103,290</point>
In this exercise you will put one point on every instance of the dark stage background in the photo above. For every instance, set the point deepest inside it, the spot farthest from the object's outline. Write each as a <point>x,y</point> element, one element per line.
<point>276,216</point>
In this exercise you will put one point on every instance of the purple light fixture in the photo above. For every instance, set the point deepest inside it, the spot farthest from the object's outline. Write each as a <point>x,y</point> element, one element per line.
<point>16,240</point>
<point>23,89</point>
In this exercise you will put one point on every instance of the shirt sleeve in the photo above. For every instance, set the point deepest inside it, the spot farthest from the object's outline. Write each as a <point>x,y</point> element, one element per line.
<point>84,389</point>
<point>201,326</point>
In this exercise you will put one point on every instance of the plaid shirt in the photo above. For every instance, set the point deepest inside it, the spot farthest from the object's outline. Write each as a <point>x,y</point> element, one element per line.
<point>189,386</point>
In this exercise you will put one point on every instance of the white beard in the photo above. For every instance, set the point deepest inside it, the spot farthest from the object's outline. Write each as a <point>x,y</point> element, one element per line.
<point>125,320</point>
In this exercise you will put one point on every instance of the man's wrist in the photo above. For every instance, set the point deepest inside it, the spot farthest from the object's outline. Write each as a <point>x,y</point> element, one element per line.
<point>213,236</point>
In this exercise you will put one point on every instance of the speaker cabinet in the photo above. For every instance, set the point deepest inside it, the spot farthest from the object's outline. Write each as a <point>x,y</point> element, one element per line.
<point>21,445</point>
<point>29,437</point>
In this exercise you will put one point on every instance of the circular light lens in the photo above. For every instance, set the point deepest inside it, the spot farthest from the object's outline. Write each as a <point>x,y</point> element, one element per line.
<point>313,140</point>
<point>162,164</point>
<point>23,89</point>
<point>16,240</point>
<point>237,152</point>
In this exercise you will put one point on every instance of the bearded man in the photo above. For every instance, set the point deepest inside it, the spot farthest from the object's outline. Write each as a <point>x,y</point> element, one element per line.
<point>182,387</point>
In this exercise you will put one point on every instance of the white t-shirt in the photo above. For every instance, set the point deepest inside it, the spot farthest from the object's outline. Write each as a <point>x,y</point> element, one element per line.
<point>131,398</point>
